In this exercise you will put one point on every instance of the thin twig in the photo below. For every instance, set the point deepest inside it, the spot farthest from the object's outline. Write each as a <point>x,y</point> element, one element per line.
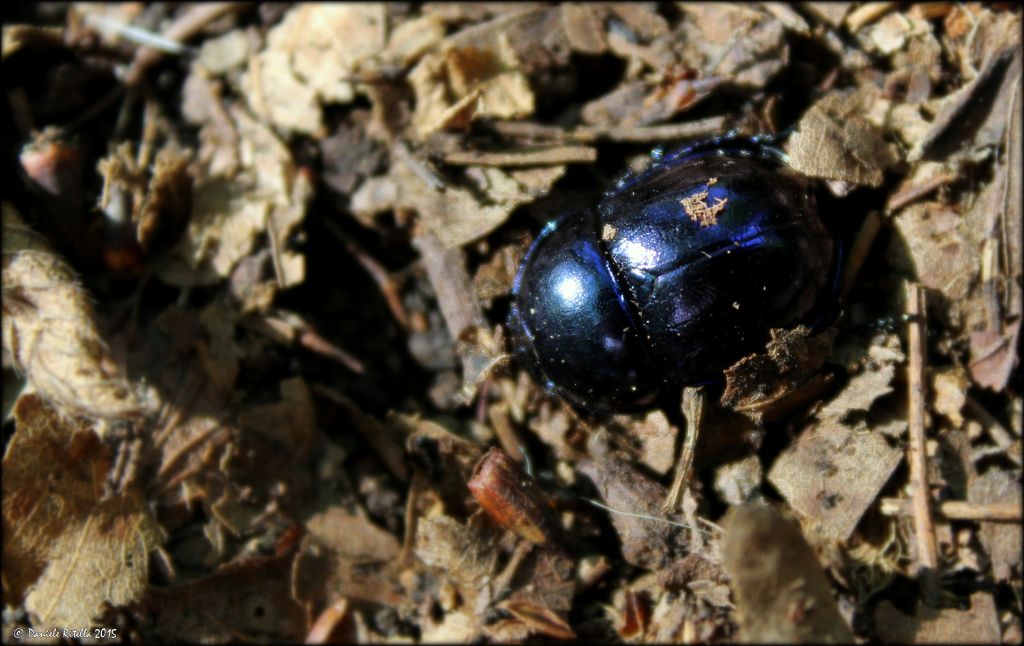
<point>189,23</point>
<point>411,519</point>
<point>506,434</point>
<point>999,434</point>
<point>924,528</point>
<point>387,285</point>
<point>311,340</point>
<point>859,250</point>
<point>995,512</point>
<point>419,167</point>
<point>542,157</point>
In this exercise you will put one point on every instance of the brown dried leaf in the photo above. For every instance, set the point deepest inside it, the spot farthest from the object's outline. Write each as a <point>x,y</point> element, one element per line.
<point>834,141</point>
<point>832,474</point>
<point>50,334</point>
<point>289,422</point>
<point>540,620</point>
<point>973,116</point>
<point>978,625</point>
<point>457,215</point>
<point>1002,541</point>
<point>68,550</point>
<point>733,41</point>
<point>995,223</point>
<point>352,558</point>
<point>309,60</point>
<point>646,542</point>
<point>782,594</point>
<point>769,384</point>
<point>930,247</point>
<point>248,599</point>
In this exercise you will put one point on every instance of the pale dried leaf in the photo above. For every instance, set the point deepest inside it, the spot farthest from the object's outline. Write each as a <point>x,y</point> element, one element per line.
<point>860,392</point>
<point>50,333</point>
<point>309,60</point>
<point>736,481</point>
<point>266,198</point>
<point>835,141</point>
<point>832,474</point>
<point>930,247</point>
<point>462,551</point>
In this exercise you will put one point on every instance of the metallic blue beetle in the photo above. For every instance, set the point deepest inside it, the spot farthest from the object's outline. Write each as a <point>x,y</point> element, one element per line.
<point>676,274</point>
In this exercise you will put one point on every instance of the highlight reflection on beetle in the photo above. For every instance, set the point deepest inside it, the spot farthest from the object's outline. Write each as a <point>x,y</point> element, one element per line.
<point>676,273</point>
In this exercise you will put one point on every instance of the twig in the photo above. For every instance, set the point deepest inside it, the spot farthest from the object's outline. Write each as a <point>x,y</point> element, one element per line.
<point>311,340</point>
<point>924,529</point>
<point>387,285</point>
<point>866,14</point>
<point>191,22</point>
<point>995,512</point>
<point>507,436</point>
<point>859,250</point>
<point>411,519</point>
<point>542,157</point>
<point>626,134</point>
<point>419,167</point>
<point>999,434</point>
<point>275,249</point>
<point>693,405</point>
<point>140,36</point>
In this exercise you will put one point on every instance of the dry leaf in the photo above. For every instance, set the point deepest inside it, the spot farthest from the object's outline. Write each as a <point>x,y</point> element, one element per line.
<point>859,393</point>
<point>737,42</point>
<point>785,376</point>
<point>647,541</point>
<point>834,141</point>
<point>832,474</point>
<point>977,625</point>
<point>456,215</point>
<point>69,548</point>
<point>658,440</point>
<point>49,330</point>
<point>346,556</point>
<point>1002,541</point>
<point>310,59</point>
<point>266,198</point>
<point>931,249</point>
<point>737,481</point>
<point>782,594</point>
<point>248,599</point>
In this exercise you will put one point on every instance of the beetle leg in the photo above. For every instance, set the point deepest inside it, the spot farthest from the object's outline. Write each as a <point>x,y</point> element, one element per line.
<point>693,408</point>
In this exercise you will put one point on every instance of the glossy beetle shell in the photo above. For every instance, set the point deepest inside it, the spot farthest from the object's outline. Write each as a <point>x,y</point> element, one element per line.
<point>675,275</point>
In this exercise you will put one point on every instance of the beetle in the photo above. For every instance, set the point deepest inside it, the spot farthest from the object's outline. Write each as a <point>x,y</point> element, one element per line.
<point>678,272</point>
